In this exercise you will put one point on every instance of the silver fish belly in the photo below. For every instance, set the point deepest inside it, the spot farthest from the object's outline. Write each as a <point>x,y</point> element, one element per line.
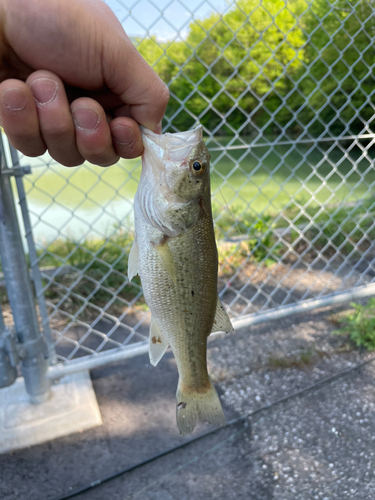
<point>176,257</point>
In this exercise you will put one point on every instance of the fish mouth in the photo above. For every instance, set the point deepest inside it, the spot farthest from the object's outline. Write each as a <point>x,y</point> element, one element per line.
<point>176,138</point>
<point>172,146</point>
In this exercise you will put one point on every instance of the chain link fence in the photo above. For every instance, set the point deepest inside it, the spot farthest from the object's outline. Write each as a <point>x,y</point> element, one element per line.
<point>284,91</point>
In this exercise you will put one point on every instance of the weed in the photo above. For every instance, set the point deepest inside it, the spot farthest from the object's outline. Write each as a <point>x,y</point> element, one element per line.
<point>304,358</point>
<point>258,239</point>
<point>231,256</point>
<point>359,325</point>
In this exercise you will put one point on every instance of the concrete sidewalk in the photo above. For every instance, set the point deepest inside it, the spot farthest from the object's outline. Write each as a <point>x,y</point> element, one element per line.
<point>320,445</point>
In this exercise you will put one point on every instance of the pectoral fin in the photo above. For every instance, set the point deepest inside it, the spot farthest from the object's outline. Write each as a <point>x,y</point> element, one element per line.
<point>158,345</point>
<point>166,257</point>
<point>133,261</point>
<point>221,322</point>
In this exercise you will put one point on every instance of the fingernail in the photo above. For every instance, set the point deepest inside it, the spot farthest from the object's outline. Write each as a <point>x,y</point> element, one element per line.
<point>44,90</point>
<point>86,118</point>
<point>123,135</point>
<point>14,99</point>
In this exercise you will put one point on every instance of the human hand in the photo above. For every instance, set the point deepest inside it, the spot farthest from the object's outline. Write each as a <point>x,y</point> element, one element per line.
<point>56,52</point>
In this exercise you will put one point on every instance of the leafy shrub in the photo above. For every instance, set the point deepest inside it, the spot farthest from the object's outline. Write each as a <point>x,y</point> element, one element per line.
<point>359,324</point>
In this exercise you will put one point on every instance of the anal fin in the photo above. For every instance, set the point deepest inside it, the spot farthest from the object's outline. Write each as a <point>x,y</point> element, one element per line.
<point>222,322</point>
<point>158,345</point>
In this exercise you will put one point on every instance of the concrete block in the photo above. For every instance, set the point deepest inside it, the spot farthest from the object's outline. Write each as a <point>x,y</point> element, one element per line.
<point>72,407</point>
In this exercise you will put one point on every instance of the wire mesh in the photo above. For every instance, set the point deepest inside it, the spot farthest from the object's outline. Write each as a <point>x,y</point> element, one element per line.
<point>284,91</point>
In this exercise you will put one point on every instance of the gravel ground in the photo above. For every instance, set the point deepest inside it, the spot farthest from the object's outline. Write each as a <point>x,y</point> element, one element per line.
<point>319,445</point>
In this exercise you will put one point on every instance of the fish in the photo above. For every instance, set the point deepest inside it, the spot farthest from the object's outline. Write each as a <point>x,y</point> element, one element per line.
<point>175,254</point>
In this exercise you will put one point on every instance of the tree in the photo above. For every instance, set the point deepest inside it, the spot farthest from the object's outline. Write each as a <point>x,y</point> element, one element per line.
<point>338,80</point>
<point>270,65</point>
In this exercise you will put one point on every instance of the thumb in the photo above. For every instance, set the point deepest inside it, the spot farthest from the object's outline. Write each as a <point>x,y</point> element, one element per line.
<point>128,75</point>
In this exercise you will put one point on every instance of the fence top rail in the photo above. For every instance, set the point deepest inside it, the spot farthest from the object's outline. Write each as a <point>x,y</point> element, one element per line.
<point>295,142</point>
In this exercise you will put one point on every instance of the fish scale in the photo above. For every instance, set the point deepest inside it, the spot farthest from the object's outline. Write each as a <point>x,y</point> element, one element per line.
<point>185,320</point>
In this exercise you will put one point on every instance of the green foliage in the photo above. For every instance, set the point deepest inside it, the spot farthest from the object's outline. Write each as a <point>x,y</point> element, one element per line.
<point>261,240</point>
<point>360,325</point>
<point>257,245</point>
<point>235,51</point>
<point>334,227</point>
<point>341,73</point>
<point>89,253</point>
<point>318,55</point>
<point>104,264</point>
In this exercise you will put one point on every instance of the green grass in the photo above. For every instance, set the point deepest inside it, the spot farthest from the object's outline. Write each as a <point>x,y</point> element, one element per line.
<point>85,186</point>
<point>255,177</point>
<point>101,261</point>
<point>267,174</point>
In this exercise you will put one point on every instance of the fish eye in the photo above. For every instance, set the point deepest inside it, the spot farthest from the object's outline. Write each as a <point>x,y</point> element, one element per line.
<point>198,167</point>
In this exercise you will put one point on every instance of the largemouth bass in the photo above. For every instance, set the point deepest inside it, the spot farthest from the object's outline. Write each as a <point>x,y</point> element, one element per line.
<point>175,255</point>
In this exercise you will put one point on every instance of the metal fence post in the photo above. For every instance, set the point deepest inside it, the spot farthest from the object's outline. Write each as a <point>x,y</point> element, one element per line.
<point>34,363</point>
<point>34,264</point>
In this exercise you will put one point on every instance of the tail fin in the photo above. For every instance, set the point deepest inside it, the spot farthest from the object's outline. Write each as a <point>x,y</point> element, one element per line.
<point>193,406</point>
